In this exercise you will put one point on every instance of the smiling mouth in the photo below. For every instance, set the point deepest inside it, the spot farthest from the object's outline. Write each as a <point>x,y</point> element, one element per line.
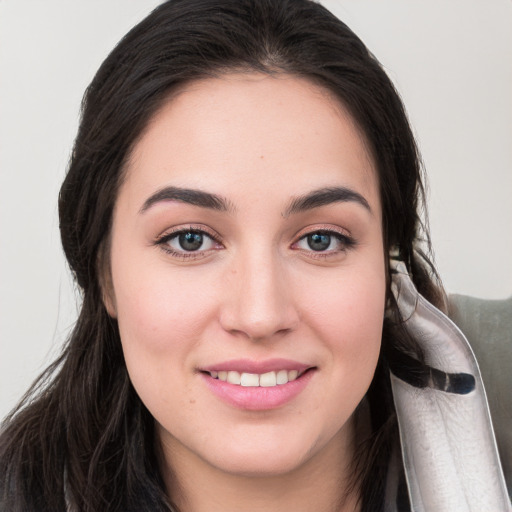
<point>266,380</point>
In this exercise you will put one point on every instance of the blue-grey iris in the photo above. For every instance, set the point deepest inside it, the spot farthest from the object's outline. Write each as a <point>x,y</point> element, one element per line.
<point>319,241</point>
<point>190,241</point>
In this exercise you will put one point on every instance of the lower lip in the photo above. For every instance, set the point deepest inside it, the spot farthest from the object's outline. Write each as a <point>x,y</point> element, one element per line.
<point>257,398</point>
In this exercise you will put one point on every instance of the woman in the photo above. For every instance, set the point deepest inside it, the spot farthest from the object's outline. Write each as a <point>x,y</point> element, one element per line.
<point>241,174</point>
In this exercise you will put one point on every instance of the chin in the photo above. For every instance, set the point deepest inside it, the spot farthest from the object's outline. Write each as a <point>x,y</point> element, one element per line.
<point>262,463</point>
<point>266,453</point>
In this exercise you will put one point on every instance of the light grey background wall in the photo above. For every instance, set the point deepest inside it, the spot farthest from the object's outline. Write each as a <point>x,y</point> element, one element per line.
<point>451,62</point>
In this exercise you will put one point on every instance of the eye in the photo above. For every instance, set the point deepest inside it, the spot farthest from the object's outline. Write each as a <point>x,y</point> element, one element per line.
<point>190,241</point>
<point>318,241</point>
<point>186,242</point>
<point>324,241</point>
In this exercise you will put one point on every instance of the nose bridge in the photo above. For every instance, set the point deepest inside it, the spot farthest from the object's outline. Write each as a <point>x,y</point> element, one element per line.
<point>261,305</point>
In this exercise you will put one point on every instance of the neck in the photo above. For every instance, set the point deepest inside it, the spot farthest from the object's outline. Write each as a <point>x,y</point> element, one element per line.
<point>321,483</point>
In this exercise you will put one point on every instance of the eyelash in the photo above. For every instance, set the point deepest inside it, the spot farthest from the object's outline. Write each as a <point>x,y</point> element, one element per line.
<point>162,241</point>
<point>346,242</point>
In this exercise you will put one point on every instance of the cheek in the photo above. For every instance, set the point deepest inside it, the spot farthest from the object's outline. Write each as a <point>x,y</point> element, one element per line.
<point>154,317</point>
<point>347,313</point>
<point>161,316</point>
<point>350,300</point>
<point>158,308</point>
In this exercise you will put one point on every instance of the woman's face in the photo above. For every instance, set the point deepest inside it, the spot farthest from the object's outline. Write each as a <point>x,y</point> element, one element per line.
<point>247,246</point>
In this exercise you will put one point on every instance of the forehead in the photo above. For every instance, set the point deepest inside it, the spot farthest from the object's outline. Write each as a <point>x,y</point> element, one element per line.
<point>256,130</point>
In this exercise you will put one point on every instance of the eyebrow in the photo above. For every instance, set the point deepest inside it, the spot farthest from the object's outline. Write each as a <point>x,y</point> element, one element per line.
<point>325,196</point>
<point>314,199</point>
<point>189,196</point>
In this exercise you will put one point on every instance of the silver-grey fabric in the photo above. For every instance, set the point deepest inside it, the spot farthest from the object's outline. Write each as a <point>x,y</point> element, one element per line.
<point>448,446</point>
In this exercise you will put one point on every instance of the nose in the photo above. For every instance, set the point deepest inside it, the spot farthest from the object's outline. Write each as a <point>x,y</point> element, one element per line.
<point>259,303</point>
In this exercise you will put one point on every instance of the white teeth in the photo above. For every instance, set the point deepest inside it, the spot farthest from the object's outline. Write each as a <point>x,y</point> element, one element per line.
<point>233,377</point>
<point>250,379</point>
<point>282,377</point>
<point>266,380</point>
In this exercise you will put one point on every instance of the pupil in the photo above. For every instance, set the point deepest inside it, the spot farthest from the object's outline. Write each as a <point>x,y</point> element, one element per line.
<point>319,241</point>
<point>191,241</point>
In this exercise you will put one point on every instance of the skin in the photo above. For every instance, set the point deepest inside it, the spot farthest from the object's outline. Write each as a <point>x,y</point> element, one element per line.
<point>257,292</point>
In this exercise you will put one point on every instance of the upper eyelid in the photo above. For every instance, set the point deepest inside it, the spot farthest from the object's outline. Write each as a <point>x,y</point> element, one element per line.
<point>336,234</point>
<point>171,232</point>
<point>322,228</point>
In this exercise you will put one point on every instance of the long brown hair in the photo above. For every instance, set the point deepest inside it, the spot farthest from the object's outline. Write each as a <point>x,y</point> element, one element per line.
<point>81,437</point>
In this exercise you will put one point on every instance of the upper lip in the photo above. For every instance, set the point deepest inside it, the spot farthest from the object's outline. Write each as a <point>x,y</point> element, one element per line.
<point>259,367</point>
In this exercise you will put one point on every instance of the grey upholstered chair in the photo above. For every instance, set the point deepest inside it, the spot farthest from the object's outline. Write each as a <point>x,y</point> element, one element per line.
<point>487,325</point>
